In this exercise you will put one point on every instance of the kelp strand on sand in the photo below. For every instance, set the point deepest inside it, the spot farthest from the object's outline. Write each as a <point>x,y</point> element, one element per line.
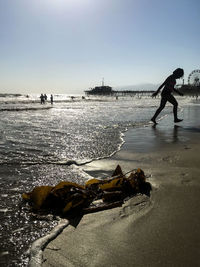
<point>67,197</point>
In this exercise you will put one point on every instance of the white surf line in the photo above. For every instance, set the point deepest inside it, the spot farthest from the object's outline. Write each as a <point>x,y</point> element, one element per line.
<point>36,250</point>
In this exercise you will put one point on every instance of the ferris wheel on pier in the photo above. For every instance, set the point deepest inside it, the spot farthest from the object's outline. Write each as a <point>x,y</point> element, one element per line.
<point>194,78</point>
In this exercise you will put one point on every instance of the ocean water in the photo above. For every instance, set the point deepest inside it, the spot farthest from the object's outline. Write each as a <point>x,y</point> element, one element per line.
<point>45,144</point>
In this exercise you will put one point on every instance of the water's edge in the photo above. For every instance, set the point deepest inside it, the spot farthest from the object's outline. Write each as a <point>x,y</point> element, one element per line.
<point>35,252</point>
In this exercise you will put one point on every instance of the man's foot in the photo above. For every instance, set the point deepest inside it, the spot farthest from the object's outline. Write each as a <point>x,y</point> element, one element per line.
<point>177,120</point>
<point>154,121</point>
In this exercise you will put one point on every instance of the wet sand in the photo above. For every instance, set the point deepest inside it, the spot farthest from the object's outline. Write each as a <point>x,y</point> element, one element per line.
<point>162,230</point>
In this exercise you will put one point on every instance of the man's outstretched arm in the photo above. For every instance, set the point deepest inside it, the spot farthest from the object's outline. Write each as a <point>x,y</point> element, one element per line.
<point>159,88</point>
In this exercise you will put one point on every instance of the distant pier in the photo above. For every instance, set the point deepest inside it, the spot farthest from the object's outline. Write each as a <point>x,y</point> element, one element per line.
<point>187,90</point>
<point>109,92</point>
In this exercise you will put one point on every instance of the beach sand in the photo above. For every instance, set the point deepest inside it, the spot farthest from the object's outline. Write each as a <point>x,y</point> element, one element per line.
<point>162,230</point>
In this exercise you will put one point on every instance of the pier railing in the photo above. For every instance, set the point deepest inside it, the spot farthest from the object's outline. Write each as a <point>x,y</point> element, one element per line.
<point>121,93</point>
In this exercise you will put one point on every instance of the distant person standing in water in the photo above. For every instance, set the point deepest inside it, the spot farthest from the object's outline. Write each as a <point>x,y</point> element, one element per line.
<point>42,99</point>
<point>166,94</point>
<point>51,98</point>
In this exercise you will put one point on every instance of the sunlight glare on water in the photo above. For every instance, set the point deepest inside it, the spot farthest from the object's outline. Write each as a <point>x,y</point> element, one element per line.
<point>40,143</point>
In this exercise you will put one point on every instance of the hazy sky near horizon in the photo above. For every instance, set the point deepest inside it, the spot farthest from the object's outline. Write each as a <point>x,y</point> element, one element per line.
<point>67,46</point>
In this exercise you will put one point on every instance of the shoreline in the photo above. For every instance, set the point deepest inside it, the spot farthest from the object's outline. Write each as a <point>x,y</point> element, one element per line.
<point>171,163</point>
<point>35,252</point>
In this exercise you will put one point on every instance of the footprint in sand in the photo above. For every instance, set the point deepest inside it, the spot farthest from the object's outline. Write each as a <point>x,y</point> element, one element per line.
<point>167,159</point>
<point>187,147</point>
<point>185,179</point>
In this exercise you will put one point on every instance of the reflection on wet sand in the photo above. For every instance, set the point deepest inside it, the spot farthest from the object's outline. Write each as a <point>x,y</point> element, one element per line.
<point>169,136</point>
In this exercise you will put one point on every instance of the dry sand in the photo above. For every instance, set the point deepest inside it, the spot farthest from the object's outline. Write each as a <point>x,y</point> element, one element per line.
<point>162,230</point>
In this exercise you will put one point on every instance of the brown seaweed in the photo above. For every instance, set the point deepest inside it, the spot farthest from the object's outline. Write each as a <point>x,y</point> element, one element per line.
<point>68,197</point>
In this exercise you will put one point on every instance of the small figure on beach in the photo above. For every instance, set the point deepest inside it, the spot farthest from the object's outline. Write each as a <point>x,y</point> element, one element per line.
<point>166,94</point>
<point>42,100</point>
<point>51,98</point>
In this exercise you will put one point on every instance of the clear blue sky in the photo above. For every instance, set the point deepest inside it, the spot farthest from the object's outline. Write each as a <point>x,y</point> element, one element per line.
<point>67,46</point>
